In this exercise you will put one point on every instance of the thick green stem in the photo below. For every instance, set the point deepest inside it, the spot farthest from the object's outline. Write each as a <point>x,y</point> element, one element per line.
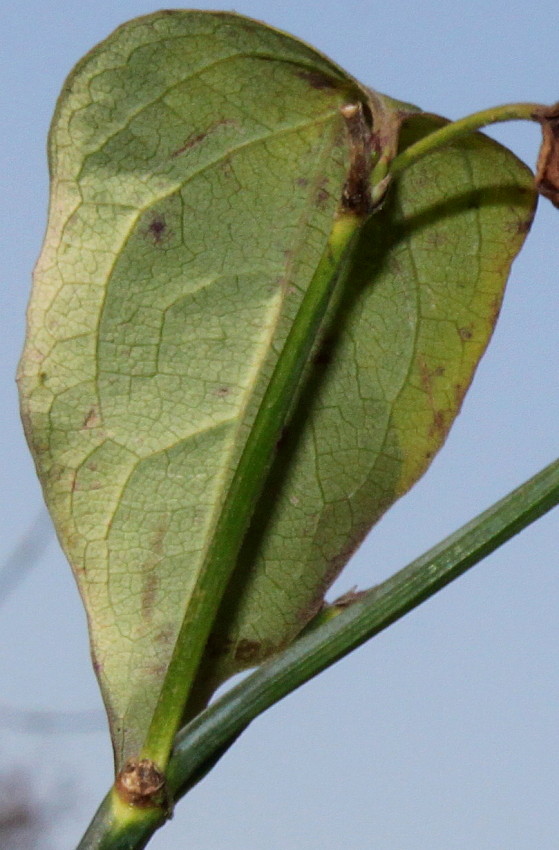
<point>119,827</point>
<point>386,170</point>
<point>245,488</point>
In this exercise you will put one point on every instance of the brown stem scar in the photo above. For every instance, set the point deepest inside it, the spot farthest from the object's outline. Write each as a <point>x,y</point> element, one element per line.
<point>140,783</point>
<point>356,195</point>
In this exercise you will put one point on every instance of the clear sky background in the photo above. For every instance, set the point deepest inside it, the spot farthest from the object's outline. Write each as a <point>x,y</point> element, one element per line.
<point>442,733</point>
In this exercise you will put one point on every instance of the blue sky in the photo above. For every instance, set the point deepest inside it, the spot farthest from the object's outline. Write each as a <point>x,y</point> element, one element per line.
<point>442,732</point>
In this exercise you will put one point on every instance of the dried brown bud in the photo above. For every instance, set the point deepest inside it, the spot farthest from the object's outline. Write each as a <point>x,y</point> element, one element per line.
<point>547,170</point>
<point>141,783</point>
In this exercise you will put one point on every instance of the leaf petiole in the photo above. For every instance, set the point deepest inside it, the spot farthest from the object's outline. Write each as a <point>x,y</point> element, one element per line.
<point>245,488</point>
<point>386,171</point>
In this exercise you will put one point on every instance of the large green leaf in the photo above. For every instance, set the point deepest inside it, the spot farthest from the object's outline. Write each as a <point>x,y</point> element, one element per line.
<point>197,163</point>
<point>384,388</point>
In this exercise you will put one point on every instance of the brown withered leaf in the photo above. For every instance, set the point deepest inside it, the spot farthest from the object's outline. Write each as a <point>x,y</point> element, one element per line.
<point>547,170</point>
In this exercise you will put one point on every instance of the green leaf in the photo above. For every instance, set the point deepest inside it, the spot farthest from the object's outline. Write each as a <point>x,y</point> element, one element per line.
<point>425,289</point>
<point>197,163</point>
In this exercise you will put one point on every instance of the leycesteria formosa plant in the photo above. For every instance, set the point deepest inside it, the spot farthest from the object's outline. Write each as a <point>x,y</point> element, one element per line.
<point>263,293</point>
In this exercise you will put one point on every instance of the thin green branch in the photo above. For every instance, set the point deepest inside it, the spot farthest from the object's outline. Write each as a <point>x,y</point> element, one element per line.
<point>386,170</point>
<point>204,740</point>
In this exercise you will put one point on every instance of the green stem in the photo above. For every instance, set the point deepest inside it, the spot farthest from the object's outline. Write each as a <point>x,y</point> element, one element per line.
<point>116,827</point>
<point>245,488</point>
<point>386,170</point>
<point>200,744</point>
<point>212,730</point>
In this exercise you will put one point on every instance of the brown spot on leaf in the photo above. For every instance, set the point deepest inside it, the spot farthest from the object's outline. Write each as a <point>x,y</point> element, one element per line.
<point>318,80</point>
<point>438,425</point>
<point>465,333</point>
<point>165,636</point>
<point>495,309</point>
<point>156,541</point>
<point>322,198</point>
<point>524,225</point>
<point>217,646</point>
<point>427,376</point>
<point>247,650</point>
<point>157,229</point>
<point>547,169</point>
<point>150,581</point>
<point>459,392</point>
<point>222,392</point>
<point>92,419</point>
<point>436,239</point>
<point>197,138</point>
<point>149,593</point>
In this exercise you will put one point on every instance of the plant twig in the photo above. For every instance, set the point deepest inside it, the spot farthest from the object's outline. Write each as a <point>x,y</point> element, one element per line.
<point>200,744</point>
<point>388,170</point>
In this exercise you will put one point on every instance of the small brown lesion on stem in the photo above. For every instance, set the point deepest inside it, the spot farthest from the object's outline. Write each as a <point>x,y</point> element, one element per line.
<point>142,784</point>
<point>547,169</point>
<point>356,195</point>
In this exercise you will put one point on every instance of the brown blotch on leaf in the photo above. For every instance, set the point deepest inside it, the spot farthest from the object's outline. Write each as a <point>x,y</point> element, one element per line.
<point>149,594</point>
<point>459,393</point>
<point>322,197</point>
<point>547,169</point>
<point>438,426</point>
<point>140,783</point>
<point>196,138</point>
<point>465,333</point>
<point>165,636</point>
<point>157,229</point>
<point>247,650</point>
<point>318,80</point>
<point>495,309</point>
<point>217,646</point>
<point>524,226</point>
<point>91,419</point>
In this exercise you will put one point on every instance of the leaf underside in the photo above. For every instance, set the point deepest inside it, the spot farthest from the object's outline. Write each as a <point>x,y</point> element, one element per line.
<point>197,161</point>
<point>384,387</point>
